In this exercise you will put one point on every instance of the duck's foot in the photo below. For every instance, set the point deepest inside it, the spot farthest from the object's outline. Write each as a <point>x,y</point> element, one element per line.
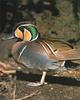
<point>42,81</point>
<point>34,84</point>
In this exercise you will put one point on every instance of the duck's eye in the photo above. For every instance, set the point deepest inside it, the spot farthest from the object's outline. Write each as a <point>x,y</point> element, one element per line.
<point>18,33</point>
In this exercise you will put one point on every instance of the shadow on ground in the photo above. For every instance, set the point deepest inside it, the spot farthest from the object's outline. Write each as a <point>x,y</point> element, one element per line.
<point>49,79</point>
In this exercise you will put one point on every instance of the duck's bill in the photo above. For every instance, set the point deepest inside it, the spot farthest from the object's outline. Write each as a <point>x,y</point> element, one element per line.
<point>8,38</point>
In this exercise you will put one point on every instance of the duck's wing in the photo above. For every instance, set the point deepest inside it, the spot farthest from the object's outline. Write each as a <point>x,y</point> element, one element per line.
<point>58,44</point>
<point>63,50</point>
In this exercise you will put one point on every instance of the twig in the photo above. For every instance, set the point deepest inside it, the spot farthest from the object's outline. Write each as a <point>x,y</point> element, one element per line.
<point>28,96</point>
<point>2,83</point>
<point>14,92</point>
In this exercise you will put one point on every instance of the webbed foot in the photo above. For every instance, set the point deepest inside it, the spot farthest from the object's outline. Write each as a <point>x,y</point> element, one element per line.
<point>34,84</point>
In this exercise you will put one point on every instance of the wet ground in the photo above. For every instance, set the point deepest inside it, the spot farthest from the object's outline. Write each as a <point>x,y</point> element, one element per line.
<point>57,88</point>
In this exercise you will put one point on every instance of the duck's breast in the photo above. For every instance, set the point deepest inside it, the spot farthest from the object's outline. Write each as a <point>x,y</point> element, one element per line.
<point>34,55</point>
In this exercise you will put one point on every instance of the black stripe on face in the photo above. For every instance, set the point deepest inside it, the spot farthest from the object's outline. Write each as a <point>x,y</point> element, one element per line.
<point>22,29</point>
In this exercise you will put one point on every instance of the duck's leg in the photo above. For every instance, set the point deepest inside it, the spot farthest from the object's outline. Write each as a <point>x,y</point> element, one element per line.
<point>41,81</point>
<point>63,64</point>
<point>62,67</point>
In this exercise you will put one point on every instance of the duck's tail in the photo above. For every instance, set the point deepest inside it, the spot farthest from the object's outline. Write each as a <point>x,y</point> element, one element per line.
<point>72,55</point>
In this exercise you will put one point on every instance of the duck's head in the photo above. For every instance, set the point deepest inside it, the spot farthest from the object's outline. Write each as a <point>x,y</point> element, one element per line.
<point>26,32</point>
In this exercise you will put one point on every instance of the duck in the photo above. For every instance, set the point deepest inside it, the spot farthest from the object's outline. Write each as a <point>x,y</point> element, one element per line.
<point>43,55</point>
